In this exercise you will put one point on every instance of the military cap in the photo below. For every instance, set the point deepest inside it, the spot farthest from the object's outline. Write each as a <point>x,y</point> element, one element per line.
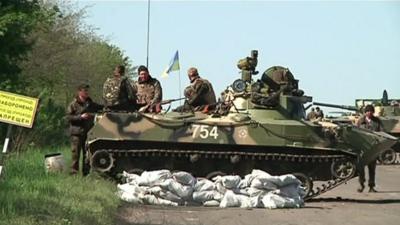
<point>83,87</point>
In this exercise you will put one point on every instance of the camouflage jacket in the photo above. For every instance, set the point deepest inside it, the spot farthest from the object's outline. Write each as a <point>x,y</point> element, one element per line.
<point>375,124</point>
<point>148,92</point>
<point>77,125</point>
<point>118,91</point>
<point>199,93</point>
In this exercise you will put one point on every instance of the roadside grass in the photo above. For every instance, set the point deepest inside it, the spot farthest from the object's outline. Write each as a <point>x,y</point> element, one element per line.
<point>29,195</point>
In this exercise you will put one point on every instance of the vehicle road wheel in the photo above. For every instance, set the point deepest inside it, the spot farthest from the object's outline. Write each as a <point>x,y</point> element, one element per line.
<point>343,169</point>
<point>102,161</point>
<point>306,183</point>
<point>387,157</point>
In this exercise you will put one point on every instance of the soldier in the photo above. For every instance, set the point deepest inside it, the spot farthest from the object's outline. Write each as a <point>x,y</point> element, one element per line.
<point>369,121</point>
<point>200,93</point>
<point>311,115</point>
<point>118,93</point>
<point>149,91</point>
<point>80,117</point>
<point>319,114</point>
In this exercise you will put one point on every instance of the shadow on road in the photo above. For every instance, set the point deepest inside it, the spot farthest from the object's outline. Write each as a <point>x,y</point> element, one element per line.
<point>361,201</point>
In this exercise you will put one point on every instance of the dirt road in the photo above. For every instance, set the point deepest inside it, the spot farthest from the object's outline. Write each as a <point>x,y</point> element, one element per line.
<point>343,205</point>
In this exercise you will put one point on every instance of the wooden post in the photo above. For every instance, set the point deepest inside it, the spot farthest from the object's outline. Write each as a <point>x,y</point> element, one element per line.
<point>5,147</point>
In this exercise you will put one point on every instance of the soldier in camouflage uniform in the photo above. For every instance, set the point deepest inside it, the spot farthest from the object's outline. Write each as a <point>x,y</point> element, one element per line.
<point>200,93</point>
<point>118,93</point>
<point>80,117</point>
<point>149,91</point>
<point>369,121</point>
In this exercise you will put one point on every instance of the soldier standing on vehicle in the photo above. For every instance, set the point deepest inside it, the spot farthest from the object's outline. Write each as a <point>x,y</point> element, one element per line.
<point>200,93</point>
<point>369,121</point>
<point>80,118</point>
<point>149,91</point>
<point>118,93</point>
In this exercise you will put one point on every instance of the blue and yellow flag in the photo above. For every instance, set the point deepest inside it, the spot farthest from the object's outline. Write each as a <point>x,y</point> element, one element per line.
<point>173,65</point>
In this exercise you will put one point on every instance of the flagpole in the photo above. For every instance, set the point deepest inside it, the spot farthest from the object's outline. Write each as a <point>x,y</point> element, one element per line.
<point>180,92</point>
<point>148,32</point>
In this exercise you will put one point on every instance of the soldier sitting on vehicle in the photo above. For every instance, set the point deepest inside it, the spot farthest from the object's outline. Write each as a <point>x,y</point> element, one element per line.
<point>199,94</point>
<point>149,91</point>
<point>118,93</point>
<point>274,82</point>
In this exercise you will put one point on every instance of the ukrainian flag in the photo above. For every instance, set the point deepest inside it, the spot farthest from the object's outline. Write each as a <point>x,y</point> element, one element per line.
<point>173,65</point>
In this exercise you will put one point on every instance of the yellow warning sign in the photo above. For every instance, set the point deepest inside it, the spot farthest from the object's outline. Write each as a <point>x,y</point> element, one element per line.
<point>17,109</point>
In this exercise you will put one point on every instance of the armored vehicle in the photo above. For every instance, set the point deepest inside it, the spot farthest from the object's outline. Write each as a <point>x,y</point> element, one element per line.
<point>257,124</point>
<point>388,110</point>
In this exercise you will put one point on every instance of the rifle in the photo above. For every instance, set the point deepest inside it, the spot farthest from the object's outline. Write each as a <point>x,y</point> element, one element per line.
<point>156,107</point>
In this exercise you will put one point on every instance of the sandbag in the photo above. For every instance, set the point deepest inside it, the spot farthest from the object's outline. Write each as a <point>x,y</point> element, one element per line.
<point>185,192</point>
<point>153,178</point>
<point>231,199</point>
<point>204,185</point>
<point>273,201</point>
<point>153,200</point>
<point>204,196</point>
<point>184,178</point>
<point>211,203</point>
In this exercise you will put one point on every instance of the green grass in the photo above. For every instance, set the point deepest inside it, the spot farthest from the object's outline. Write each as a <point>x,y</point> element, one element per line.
<point>28,195</point>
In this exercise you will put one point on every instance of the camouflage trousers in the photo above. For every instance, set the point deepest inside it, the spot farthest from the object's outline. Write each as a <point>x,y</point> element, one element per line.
<point>371,174</point>
<point>78,148</point>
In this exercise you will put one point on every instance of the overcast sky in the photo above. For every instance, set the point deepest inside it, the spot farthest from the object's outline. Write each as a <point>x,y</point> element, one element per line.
<point>339,51</point>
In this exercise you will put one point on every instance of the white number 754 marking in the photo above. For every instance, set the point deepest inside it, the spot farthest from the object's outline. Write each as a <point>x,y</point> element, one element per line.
<point>204,131</point>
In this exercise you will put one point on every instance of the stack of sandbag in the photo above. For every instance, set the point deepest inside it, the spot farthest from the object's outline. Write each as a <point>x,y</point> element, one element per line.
<point>258,189</point>
<point>157,188</point>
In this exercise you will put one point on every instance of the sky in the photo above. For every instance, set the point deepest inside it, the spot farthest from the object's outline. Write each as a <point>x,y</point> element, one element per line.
<point>339,50</point>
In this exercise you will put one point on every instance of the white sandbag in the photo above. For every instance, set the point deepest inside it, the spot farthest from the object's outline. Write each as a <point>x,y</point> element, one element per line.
<point>259,173</point>
<point>184,178</point>
<point>211,203</point>
<point>204,185</point>
<point>130,177</point>
<point>218,185</point>
<point>167,195</point>
<point>153,200</point>
<point>131,198</point>
<point>155,190</point>
<point>185,192</point>
<point>230,181</point>
<point>152,178</point>
<point>290,191</point>
<point>255,192</point>
<point>273,201</point>
<point>231,199</point>
<point>285,180</point>
<point>130,188</point>
<point>204,196</point>
<point>263,183</point>
<point>255,201</point>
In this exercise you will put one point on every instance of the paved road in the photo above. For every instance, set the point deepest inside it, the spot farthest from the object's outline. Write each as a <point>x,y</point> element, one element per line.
<point>342,205</point>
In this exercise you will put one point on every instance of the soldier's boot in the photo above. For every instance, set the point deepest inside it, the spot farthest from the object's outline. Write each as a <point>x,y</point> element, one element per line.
<point>372,189</point>
<point>361,188</point>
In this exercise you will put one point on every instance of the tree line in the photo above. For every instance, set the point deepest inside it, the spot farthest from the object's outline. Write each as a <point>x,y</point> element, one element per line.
<point>46,51</point>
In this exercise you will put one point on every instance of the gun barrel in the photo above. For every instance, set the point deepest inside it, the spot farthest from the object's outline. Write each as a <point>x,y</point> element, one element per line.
<point>348,107</point>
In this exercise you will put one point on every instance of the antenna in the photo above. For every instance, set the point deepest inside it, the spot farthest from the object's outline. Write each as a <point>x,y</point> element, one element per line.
<point>148,32</point>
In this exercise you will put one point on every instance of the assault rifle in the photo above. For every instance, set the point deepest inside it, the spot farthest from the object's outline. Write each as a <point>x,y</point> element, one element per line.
<point>156,107</point>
